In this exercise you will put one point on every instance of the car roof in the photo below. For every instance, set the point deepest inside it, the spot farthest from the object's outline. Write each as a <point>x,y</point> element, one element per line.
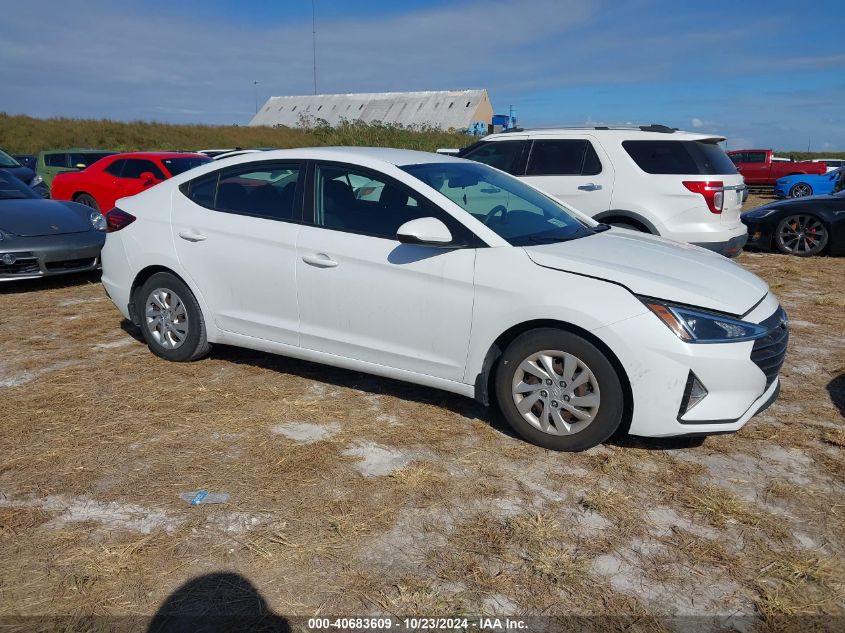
<point>384,155</point>
<point>77,149</point>
<point>649,133</point>
<point>159,155</point>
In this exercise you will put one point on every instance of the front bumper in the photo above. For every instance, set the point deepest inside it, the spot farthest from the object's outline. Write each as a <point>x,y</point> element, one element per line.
<point>759,234</point>
<point>49,255</point>
<point>658,365</point>
<point>729,248</point>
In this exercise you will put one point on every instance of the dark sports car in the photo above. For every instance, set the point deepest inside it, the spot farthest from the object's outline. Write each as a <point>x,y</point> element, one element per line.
<point>799,226</point>
<point>40,238</point>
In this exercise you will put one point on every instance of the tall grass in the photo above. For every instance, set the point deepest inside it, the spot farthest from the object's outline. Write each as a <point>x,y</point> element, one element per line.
<point>27,135</point>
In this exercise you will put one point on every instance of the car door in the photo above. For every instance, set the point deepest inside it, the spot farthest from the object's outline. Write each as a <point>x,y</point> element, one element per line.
<point>755,169</point>
<point>53,163</point>
<point>575,170</point>
<point>235,232</point>
<point>366,296</point>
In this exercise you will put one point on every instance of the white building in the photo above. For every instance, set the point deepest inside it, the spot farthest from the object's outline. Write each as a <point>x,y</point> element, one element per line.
<point>441,109</point>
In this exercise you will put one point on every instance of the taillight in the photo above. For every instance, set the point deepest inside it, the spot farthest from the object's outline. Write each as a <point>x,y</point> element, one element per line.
<point>712,190</point>
<point>117,219</point>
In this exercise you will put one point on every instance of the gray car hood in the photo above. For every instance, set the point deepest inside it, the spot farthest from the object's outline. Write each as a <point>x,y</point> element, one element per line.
<point>29,217</point>
<point>656,267</point>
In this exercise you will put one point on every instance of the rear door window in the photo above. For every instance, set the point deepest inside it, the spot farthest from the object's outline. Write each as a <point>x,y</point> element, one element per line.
<point>680,157</point>
<point>563,157</point>
<point>504,155</point>
<point>268,190</point>
<point>755,157</point>
<point>55,160</point>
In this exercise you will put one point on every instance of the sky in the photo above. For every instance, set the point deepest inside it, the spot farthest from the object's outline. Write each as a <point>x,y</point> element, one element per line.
<point>763,73</point>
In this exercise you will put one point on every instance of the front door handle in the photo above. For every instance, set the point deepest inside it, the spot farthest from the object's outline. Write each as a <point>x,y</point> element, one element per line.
<point>320,260</point>
<point>191,237</point>
<point>590,186</point>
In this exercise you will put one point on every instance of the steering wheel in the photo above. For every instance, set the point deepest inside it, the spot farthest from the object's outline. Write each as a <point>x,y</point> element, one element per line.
<point>499,208</point>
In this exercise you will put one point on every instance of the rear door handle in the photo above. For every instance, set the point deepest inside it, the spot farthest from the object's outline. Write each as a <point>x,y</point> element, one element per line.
<point>191,237</point>
<point>590,186</point>
<point>320,260</point>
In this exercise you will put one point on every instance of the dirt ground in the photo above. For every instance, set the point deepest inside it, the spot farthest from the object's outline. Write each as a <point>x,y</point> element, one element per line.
<point>350,494</point>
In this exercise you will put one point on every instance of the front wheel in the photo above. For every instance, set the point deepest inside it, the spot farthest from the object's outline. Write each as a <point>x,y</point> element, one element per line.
<point>559,391</point>
<point>171,320</point>
<point>801,235</point>
<point>799,190</point>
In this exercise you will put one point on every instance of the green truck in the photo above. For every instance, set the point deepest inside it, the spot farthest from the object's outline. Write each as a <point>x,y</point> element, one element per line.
<point>55,161</point>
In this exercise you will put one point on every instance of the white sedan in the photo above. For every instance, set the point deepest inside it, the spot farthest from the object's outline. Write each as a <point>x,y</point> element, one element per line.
<point>452,274</point>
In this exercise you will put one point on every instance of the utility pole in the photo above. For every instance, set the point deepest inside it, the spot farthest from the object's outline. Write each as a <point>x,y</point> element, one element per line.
<point>255,92</point>
<point>314,41</point>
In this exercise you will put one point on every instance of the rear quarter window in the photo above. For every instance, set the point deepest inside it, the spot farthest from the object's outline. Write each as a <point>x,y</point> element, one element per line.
<point>680,157</point>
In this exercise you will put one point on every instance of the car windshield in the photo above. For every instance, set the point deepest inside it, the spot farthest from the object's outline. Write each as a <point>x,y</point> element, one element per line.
<point>7,161</point>
<point>178,165</point>
<point>514,210</point>
<point>13,189</point>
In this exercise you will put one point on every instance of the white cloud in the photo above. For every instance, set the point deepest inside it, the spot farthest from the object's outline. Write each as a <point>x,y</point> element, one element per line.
<point>696,122</point>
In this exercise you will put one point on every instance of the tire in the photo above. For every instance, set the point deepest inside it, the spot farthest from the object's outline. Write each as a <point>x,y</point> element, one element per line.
<point>598,387</point>
<point>802,235</point>
<point>171,320</point>
<point>87,200</point>
<point>800,189</point>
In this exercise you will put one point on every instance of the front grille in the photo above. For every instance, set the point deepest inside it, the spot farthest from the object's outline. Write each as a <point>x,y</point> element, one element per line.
<point>24,264</point>
<point>769,351</point>
<point>70,264</point>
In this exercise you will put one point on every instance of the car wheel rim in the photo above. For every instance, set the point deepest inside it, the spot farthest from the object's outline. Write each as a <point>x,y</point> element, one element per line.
<point>799,191</point>
<point>167,318</point>
<point>802,234</point>
<point>556,392</point>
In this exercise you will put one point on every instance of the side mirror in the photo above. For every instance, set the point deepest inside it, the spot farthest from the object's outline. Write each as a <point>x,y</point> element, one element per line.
<point>429,231</point>
<point>148,177</point>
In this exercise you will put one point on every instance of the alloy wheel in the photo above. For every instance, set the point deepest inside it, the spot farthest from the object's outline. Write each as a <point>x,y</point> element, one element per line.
<point>802,235</point>
<point>800,190</point>
<point>166,318</point>
<point>556,392</point>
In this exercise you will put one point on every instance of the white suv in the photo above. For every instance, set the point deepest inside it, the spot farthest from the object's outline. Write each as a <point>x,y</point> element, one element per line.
<point>679,185</point>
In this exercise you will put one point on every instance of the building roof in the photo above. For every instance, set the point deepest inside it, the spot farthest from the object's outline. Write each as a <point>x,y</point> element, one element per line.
<point>442,109</point>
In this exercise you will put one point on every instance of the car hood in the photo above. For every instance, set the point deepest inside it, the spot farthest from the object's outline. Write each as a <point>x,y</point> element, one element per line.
<point>24,174</point>
<point>32,216</point>
<point>656,267</point>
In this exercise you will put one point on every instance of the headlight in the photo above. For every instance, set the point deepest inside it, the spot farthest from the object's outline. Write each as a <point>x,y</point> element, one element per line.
<point>36,181</point>
<point>760,214</point>
<point>697,326</point>
<point>98,220</point>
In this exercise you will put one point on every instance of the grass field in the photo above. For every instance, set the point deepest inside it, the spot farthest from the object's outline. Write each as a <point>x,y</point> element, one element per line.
<point>28,135</point>
<point>351,494</point>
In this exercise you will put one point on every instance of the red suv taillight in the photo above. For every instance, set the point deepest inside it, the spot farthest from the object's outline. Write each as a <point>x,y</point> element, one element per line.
<point>117,219</point>
<point>712,190</point>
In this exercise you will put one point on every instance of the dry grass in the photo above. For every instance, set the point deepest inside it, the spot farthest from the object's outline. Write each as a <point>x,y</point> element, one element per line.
<point>98,441</point>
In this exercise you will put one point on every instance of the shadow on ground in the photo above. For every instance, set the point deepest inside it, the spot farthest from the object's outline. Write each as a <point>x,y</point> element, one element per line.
<point>214,603</point>
<point>836,389</point>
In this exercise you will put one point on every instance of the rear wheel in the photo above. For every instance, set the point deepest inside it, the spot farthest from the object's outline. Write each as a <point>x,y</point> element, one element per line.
<point>88,201</point>
<point>171,320</point>
<point>799,190</point>
<point>801,235</point>
<point>559,391</point>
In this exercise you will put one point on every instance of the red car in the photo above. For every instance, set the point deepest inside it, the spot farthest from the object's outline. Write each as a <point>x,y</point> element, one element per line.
<point>121,175</point>
<point>760,167</point>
